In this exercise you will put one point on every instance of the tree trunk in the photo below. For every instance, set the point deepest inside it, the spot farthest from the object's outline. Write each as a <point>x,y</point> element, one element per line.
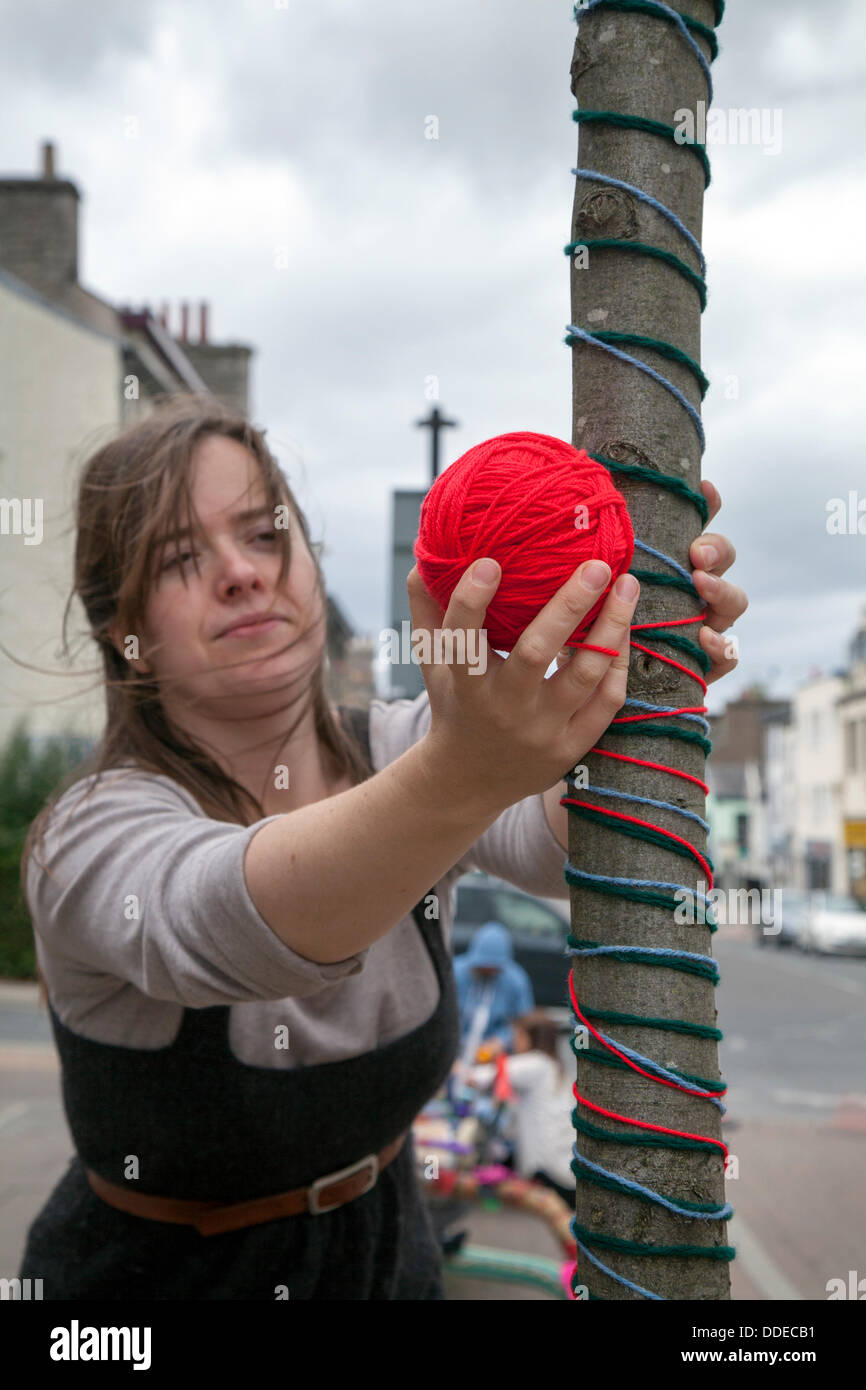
<point>637,63</point>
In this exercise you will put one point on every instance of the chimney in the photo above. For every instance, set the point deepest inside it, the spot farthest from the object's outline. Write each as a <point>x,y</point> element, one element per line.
<point>184,322</point>
<point>39,226</point>
<point>163,315</point>
<point>223,367</point>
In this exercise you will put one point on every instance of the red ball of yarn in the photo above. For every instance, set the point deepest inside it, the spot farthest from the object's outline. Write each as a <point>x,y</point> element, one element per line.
<point>536,505</point>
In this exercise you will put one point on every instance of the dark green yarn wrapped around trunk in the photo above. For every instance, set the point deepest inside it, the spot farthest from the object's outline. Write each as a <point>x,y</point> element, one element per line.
<point>664,1010</point>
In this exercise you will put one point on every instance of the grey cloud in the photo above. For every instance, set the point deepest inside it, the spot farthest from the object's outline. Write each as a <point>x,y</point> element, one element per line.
<point>337,94</point>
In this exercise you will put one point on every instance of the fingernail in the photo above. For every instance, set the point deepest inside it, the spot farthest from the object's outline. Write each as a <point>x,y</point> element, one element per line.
<point>709,555</point>
<point>626,586</point>
<point>485,572</point>
<point>595,574</point>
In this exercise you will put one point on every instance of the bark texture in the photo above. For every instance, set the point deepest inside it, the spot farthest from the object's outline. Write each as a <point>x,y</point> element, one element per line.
<point>639,65</point>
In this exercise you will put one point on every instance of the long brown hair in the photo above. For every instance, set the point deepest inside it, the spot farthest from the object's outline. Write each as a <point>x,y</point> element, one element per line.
<point>543,1034</point>
<point>133,491</point>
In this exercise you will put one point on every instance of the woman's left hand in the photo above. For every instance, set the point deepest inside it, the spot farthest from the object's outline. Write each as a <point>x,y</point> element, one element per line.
<point>725,602</point>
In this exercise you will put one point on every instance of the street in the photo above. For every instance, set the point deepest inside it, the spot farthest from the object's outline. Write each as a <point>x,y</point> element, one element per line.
<point>793,1059</point>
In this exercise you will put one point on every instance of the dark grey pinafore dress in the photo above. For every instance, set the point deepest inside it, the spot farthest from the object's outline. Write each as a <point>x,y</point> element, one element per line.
<point>206,1125</point>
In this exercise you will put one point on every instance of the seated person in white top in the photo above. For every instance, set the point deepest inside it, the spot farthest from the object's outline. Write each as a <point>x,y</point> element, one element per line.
<point>544,1101</point>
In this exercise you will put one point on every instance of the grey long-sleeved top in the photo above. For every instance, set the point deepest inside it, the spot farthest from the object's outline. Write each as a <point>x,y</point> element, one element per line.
<point>146,911</point>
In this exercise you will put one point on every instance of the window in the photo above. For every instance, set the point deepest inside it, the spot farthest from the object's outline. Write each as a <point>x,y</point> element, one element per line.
<point>851,758</point>
<point>474,905</point>
<point>520,914</point>
<point>818,872</point>
<point>527,916</point>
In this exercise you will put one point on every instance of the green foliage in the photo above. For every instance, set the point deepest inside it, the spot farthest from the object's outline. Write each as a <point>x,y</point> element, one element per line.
<point>30,770</point>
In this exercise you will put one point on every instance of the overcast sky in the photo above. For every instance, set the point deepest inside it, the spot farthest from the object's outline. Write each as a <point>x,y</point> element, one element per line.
<point>204,135</point>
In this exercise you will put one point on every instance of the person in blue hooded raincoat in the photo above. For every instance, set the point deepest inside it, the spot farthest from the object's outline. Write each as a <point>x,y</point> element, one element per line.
<point>489,978</point>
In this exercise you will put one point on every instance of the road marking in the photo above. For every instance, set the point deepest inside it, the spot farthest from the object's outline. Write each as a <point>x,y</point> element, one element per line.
<point>807,971</point>
<point>764,1273</point>
<point>849,986</point>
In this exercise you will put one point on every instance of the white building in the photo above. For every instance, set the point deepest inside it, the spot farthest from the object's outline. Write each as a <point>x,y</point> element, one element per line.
<point>738,807</point>
<point>780,797</point>
<point>817,848</point>
<point>60,395</point>
<point>73,371</point>
<point>815,781</point>
<point>852,721</point>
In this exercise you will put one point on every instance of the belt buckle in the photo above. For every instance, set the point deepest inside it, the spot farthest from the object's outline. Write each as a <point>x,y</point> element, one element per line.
<point>316,1207</point>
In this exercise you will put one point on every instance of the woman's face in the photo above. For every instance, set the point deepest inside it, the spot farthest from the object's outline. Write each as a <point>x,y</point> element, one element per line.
<point>191,639</point>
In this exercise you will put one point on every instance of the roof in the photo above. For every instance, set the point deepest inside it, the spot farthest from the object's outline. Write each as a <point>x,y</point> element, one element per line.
<point>150,350</point>
<point>145,329</point>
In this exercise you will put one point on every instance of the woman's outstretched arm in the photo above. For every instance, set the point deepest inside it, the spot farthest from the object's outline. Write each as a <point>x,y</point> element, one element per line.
<point>333,877</point>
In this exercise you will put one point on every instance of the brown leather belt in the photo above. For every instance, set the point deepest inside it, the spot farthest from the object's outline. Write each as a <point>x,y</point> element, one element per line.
<point>214,1218</point>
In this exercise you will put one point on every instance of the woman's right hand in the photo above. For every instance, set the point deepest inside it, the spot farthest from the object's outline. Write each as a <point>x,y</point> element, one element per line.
<point>502,730</point>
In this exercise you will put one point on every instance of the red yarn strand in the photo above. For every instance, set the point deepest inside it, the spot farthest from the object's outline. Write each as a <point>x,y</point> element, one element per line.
<point>661,1080</point>
<point>645,1124</point>
<point>636,820</point>
<point>670,662</point>
<point>672,622</point>
<point>656,767</point>
<point>686,709</point>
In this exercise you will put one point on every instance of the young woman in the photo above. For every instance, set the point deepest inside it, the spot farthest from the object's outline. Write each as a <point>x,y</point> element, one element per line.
<point>242,917</point>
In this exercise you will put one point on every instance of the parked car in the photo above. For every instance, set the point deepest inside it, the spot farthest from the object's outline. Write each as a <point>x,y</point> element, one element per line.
<point>790,920</point>
<point>835,924</point>
<point>537,932</point>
